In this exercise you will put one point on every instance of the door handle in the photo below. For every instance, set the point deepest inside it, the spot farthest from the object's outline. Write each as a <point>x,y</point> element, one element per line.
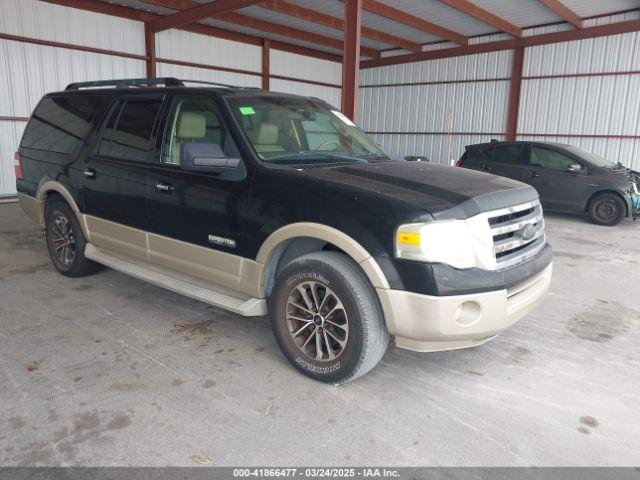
<point>534,174</point>
<point>164,187</point>
<point>89,173</point>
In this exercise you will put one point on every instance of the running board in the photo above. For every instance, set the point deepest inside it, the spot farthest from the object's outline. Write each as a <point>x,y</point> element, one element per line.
<point>248,306</point>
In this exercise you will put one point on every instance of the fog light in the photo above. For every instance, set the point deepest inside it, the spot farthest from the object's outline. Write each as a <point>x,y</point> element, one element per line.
<point>467,314</point>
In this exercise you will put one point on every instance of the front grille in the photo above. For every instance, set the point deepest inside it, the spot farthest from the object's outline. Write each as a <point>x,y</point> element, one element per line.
<point>518,233</point>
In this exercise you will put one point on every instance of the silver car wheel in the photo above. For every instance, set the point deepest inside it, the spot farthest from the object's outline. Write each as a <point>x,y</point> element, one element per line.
<point>64,240</point>
<point>317,321</point>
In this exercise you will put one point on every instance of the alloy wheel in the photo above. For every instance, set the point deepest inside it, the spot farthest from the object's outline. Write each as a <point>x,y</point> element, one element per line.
<point>317,321</point>
<point>64,240</point>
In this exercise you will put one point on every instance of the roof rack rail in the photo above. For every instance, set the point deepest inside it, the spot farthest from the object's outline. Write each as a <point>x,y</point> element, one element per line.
<point>128,82</point>
<point>217,84</point>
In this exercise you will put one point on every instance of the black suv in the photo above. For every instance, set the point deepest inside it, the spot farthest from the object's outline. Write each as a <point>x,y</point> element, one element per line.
<point>567,178</point>
<point>261,202</point>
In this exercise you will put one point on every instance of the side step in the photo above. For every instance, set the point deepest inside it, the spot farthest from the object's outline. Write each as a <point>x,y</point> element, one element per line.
<point>248,306</point>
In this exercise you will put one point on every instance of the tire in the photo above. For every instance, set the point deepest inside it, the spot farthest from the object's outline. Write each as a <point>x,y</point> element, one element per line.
<point>351,324</point>
<point>65,240</point>
<point>606,209</point>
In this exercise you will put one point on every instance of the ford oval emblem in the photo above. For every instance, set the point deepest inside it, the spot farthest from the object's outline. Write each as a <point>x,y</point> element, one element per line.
<point>528,232</point>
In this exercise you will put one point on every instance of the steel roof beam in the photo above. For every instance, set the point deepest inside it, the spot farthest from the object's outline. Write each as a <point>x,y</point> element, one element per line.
<point>267,26</point>
<point>485,16</point>
<point>563,11</point>
<point>198,12</point>
<point>384,10</point>
<point>291,9</point>
<point>535,40</point>
<point>207,30</point>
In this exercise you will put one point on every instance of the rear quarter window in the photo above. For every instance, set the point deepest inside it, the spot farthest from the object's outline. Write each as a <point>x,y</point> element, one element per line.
<point>60,124</point>
<point>512,154</point>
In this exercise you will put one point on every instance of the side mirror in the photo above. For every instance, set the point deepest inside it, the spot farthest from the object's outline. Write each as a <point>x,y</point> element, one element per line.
<point>416,158</point>
<point>575,167</point>
<point>205,156</point>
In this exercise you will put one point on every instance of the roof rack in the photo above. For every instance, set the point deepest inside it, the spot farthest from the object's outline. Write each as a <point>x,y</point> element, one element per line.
<point>128,82</point>
<point>148,82</point>
<point>217,84</point>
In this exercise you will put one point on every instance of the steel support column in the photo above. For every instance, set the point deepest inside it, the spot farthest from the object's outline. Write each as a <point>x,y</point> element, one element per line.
<point>514,93</point>
<point>150,49</point>
<point>266,53</point>
<point>351,57</point>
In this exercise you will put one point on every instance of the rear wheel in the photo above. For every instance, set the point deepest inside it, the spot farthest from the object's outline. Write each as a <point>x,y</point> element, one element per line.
<point>606,209</point>
<point>65,240</point>
<point>327,319</point>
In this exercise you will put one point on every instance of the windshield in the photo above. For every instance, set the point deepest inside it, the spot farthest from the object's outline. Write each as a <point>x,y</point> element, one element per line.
<point>288,129</point>
<point>592,158</point>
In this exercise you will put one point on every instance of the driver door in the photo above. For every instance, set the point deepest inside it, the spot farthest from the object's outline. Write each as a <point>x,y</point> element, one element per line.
<point>195,216</point>
<point>559,187</point>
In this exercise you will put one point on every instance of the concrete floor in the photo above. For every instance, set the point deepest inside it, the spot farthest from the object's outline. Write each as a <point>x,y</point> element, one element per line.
<point>109,370</point>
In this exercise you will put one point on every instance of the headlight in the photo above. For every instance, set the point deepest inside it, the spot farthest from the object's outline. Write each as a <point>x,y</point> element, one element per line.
<point>459,243</point>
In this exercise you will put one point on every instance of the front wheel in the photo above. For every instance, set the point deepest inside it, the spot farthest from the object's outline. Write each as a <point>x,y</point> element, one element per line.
<point>327,319</point>
<point>606,209</point>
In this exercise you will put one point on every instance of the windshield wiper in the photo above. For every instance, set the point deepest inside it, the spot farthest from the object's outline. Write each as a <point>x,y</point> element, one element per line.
<point>313,153</point>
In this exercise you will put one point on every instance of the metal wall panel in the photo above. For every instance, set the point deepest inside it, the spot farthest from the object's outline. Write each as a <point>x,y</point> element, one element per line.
<point>608,105</point>
<point>437,148</point>
<point>10,134</point>
<point>46,21</point>
<point>469,67</point>
<point>615,53</point>
<point>30,71</point>
<point>328,94</point>
<point>473,107</point>
<point>298,66</point>
<point>476,107</point>
<point>191,47</point>
<point>33,70</point>
<point>207,75</point>
<point>589,105</point>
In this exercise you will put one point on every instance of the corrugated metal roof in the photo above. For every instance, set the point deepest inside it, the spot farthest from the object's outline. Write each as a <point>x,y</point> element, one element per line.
<point>276,17</point>
<point>519,12</point>
<point>588,8</point>
<point>523,13</point>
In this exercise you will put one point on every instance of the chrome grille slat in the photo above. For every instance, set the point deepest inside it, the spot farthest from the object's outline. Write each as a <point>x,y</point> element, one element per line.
<point>511,244</point>
<point>517,223</point>
<point>515,242</point>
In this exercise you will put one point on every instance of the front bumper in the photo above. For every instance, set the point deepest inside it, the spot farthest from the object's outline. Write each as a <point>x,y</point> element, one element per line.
<point>425,323</point>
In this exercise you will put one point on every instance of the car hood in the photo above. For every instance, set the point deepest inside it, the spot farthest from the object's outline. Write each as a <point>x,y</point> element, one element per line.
<point>443,191</point>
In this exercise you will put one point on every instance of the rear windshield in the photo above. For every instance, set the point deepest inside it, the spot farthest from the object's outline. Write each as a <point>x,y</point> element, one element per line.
<point>59,124</point>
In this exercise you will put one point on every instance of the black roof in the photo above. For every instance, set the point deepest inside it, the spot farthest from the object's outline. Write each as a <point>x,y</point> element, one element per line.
<point>494,143</point>
<point>155,85</point>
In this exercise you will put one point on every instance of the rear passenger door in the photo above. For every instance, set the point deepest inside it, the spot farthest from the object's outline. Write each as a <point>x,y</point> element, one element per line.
<point>503,160</point>
<point>115,175</point>
<point>195,217</point>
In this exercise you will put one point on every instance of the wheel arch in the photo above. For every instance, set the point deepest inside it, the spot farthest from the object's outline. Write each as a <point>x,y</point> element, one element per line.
<point>608,190</point>
<point>295,240</point>
<point>48,187</point>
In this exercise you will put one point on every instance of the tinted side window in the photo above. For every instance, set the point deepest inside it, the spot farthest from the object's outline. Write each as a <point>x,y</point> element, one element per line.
<point>107,134</point>
<point>60,124</point>
<point>512,154</point>
<point>128,132</point>
<point>543,157</point>
<point>194,120</point>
